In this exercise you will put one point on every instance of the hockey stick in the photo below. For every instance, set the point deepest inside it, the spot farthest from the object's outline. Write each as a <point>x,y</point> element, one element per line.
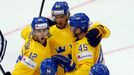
<point>3,45</point>
<point>2,70</point>
<point>41,8</point>
<point>51,22</point>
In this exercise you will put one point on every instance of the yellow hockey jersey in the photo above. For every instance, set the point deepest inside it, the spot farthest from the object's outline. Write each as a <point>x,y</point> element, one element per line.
<point>61,40</point>
<point>61,43</point>
<point>83,57</point>
<point>31,56</point>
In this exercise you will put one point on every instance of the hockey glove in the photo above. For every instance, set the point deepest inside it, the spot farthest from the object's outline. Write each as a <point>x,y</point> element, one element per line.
<point>94,37</point>
<point>99,69</point>
<point>64,62</point>
<point>48,67</point>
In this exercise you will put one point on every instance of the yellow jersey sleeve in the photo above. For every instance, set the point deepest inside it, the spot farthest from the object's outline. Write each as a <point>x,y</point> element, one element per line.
<point>102,29</point>
<point>26,31</point>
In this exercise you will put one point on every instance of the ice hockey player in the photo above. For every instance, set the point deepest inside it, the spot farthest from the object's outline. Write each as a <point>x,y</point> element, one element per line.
<point>62,38</point>
<point>35,49</point>
<point>83,54</point>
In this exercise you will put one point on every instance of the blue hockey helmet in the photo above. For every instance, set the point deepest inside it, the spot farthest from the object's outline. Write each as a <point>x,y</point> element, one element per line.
<point>60,8</point>
<point>79,20</point>
<point>39,23</point>
<point>48,67</point>
<point>99,69</point>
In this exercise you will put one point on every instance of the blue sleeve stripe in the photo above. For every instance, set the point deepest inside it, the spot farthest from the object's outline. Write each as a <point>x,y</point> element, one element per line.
<point>101,57</point>
<point>19,58</point>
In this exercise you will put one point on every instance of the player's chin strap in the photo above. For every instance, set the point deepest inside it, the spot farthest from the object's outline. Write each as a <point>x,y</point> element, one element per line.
<point>3,45</point>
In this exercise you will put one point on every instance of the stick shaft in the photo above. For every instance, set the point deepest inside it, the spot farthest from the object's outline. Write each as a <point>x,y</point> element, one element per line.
<point>2,70</point>
<point>41,8</point>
